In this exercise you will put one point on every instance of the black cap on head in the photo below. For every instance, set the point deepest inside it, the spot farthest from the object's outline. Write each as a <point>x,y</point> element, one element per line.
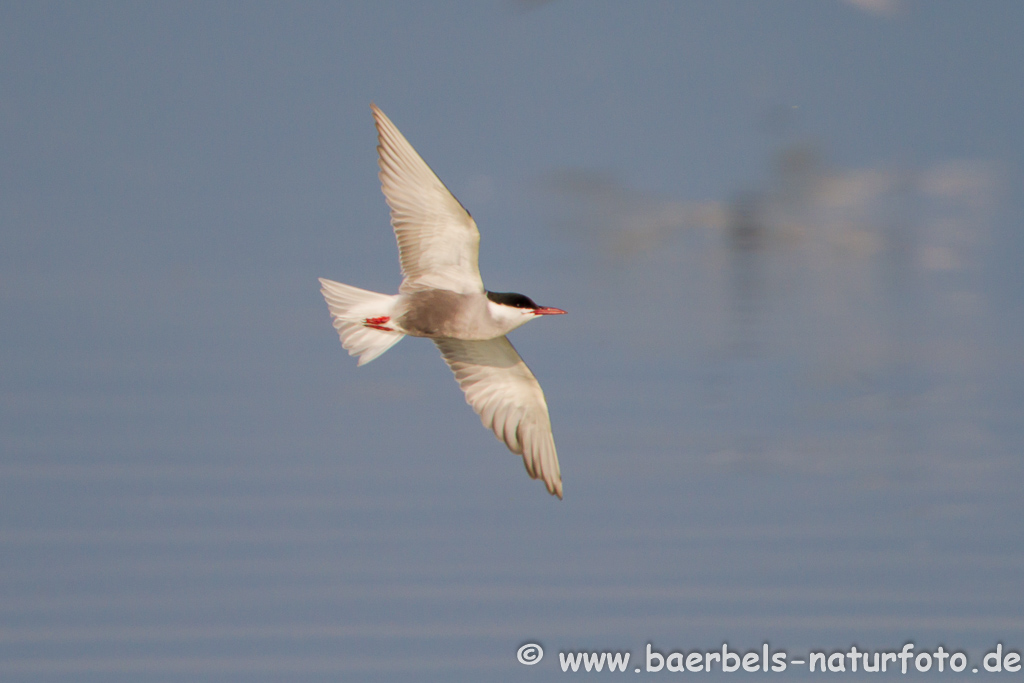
<point>512,299</point>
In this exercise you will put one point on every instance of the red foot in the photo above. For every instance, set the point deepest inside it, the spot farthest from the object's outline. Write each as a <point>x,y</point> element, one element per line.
<point>378,323</point>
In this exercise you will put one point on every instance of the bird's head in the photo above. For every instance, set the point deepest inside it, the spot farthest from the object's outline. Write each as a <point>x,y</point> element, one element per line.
<point>516,309</point>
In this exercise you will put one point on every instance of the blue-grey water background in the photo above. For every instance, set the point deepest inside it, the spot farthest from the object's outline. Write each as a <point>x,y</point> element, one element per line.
<point>788,397</point>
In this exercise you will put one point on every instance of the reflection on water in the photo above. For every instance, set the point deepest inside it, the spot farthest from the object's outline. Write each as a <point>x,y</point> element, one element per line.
<point>859,294</point>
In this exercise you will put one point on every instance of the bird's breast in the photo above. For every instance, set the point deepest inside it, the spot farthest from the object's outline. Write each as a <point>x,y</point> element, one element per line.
<point>442,313</point>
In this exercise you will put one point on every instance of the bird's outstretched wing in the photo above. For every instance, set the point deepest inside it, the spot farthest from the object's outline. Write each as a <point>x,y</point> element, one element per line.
<point>509,401</point>
<point>438,241</point>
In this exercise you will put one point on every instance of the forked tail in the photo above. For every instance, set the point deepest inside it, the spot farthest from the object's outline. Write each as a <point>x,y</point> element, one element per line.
<point>362,319</point>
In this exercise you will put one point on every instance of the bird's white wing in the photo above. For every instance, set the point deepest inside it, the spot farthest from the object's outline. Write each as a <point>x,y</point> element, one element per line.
<point>438,241</point>
<point>509,401</point>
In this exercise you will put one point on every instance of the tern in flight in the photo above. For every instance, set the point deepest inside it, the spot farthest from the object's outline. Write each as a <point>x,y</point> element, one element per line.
<point>442,297</point>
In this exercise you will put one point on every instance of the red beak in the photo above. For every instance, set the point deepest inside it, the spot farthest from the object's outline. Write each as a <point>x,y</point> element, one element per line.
<point>545,310</point>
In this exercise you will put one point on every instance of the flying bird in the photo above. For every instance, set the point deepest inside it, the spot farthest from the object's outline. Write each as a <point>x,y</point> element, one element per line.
<point>442,297</point>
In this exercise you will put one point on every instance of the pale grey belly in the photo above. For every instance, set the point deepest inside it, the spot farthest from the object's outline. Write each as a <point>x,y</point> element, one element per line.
<point>440,313</point>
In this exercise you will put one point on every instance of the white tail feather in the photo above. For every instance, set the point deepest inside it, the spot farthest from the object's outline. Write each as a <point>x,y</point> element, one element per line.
<point>351,308</point>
